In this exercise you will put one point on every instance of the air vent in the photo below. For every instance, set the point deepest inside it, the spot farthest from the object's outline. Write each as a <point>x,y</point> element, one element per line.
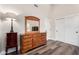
<point>35,5</point>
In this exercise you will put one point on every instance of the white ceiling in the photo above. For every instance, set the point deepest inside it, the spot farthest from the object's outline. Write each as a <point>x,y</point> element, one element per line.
<point>25,8</point>
<point>47,10</point>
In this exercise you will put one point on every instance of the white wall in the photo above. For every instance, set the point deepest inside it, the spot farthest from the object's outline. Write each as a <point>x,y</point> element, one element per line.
<point>0,35</point>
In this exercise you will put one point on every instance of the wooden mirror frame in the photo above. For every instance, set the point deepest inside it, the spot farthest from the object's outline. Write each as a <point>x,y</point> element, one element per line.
<point>33,18</point>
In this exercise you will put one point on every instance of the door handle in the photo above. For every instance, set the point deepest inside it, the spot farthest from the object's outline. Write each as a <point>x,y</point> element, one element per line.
<point>56,30</point>
<point>76,32</point>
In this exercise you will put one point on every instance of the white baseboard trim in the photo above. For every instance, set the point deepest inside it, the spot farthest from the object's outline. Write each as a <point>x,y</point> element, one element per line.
<point>2,53</point>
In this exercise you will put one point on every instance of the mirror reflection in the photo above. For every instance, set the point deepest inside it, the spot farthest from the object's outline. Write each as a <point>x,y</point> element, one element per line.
<point>32,25</point>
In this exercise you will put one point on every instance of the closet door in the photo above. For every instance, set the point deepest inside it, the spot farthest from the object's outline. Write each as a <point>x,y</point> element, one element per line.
<point>60,29</point>
<point>72,30</point>
<point>67,30</point>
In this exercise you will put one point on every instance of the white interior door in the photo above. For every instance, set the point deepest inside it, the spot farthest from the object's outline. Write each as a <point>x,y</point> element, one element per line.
<point>67,30</point>
<point>60,31</point>
<point>72,30</point>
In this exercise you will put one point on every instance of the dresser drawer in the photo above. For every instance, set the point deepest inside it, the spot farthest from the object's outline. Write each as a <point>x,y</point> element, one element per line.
<point>24,50</point>
<point>27,43</point>
<point>27,40</point>
<point>27,47</point>
<point>27,37</point>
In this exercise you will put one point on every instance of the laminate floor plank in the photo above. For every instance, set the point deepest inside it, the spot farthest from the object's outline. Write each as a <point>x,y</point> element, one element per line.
<point>57,48</point>
<point>54,48</point>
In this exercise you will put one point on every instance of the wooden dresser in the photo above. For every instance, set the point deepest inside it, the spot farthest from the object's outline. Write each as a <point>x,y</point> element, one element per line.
<point>32,40</point>
<point>11,41</point>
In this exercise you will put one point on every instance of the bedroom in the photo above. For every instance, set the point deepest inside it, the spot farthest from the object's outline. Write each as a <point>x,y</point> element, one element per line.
<point>58,21</point>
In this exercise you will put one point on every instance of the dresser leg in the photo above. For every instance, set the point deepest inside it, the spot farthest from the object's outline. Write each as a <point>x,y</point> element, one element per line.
<point>16,50</point>
<point>6,51</point>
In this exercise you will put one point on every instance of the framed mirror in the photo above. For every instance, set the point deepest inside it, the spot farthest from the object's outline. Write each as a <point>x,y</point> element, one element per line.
<point>32,24</point>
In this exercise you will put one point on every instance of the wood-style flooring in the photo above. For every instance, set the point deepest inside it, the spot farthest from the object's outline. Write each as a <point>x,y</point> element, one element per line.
<point>54,48</point>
